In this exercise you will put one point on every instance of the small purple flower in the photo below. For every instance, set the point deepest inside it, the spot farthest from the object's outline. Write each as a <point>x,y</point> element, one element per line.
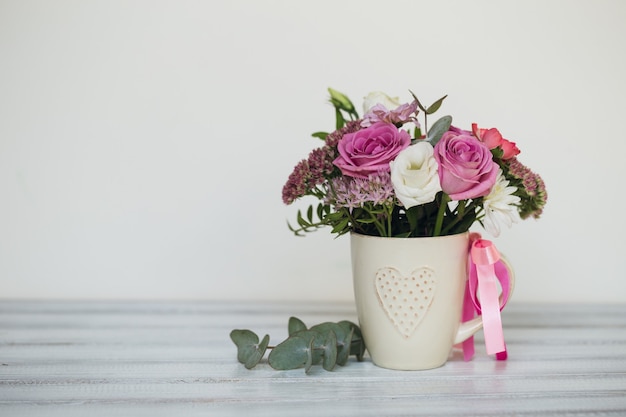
<point>353,193</point>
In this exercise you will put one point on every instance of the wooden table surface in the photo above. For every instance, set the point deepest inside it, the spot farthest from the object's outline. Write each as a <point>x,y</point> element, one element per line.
<point>176,359</point>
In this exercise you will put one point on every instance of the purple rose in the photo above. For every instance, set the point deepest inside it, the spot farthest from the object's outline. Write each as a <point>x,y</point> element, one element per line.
<point>466,168</point>
<point>370,150</point>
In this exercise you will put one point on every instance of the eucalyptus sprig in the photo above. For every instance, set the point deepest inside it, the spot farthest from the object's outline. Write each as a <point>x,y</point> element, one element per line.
<point>327,343</point>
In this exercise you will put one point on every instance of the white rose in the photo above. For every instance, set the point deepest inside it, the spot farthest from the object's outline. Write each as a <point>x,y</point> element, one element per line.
<point>377,97</point>
<point>414,175</point>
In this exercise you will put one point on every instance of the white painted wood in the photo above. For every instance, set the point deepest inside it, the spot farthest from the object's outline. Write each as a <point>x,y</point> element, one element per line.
<point>176,359</point>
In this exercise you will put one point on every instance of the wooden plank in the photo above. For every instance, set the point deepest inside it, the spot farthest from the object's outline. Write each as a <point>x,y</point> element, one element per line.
<point>164,359</point>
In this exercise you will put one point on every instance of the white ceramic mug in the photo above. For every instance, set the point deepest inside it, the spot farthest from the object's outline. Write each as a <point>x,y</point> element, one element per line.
<point>409,296</point>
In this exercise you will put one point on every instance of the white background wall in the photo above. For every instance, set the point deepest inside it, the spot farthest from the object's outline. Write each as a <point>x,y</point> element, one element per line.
<point>144,144</point>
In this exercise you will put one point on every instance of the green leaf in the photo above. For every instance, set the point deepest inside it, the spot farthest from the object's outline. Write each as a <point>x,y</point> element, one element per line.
<point>440,127</point>
<point>303,223</point>
<point>324,328</point>
<point>249,350</point>
<point>343,336</point>
<point>322,211</point>
<point>309,357</point>
<point>497,152</point>
<point>341,226</point>
<point>317,340</point>
<point>295,325</point>
<point>435,106</point>
<point>330,351</point>
<point>418,102</point>
<point>340,121</point>
<point>343,348</point>
<point>293,353</point>
<point>296,232</point>
<point>320,135</point>
<point>358,344</point>
<point>412,216</point>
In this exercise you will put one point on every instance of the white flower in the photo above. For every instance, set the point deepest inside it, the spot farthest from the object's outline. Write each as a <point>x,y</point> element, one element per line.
<point>500,206</point>
<point>377,97</point>
<point>414,175</point>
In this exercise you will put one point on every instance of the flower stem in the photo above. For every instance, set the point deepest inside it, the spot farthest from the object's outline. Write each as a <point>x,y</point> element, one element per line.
<point>460,209</point>
<point>389,216</point>
<point>442,209</point>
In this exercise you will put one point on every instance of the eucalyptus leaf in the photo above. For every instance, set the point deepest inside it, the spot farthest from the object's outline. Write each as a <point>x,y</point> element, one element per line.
<point>328,344</point>
<point>330,351</point>
<point>309,358</point>
<point>295,325</point>
<point>440,127</point>
<point>418,102</point>
<point>294,352</point>
<point>329,326</point>
<point>249,350</point>
<point>343,338</point>
<point>357,345</point>
<point>343,348</point>
<point>259,352</point>
<point>317,340</point>
<point>435,106</point>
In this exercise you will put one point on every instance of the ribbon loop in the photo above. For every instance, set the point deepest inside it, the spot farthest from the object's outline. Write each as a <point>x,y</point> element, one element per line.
<point>484,252</point>
<point>486,270</point>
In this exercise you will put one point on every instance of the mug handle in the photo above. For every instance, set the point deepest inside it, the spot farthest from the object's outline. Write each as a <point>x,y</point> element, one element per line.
<point>469,328</point>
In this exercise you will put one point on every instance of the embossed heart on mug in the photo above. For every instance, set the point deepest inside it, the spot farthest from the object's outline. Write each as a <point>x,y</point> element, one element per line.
<point>406,299</point>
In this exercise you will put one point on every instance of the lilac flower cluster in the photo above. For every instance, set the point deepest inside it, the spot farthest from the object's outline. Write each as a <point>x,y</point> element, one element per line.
<point>308,174</point>
<point>317,168</point>
<point>531,189</point>
<point>333,138</point>
<point>351,193</point>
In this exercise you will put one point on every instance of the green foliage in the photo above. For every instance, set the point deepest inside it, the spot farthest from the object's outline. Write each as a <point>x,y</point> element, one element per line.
<point>430,110</point>
<point>344,108</point>
<point>249,350</point>
<point>440,127</point>
<point>293,353</point>
<point>324,217</point>
<point>328,344</point>
<point>295,325</point>
<point>320,135</point>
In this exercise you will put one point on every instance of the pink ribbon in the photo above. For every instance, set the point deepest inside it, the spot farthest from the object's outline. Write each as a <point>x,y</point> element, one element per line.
<point>485,271</point>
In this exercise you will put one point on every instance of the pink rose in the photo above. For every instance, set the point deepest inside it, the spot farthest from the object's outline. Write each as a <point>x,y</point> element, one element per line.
<point>493,139</point>
<point>466,167</point>
<point>370,150</point>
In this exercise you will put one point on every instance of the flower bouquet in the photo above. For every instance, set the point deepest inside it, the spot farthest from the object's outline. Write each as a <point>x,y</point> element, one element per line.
<point>408,195</point>
<point>385,174</point>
